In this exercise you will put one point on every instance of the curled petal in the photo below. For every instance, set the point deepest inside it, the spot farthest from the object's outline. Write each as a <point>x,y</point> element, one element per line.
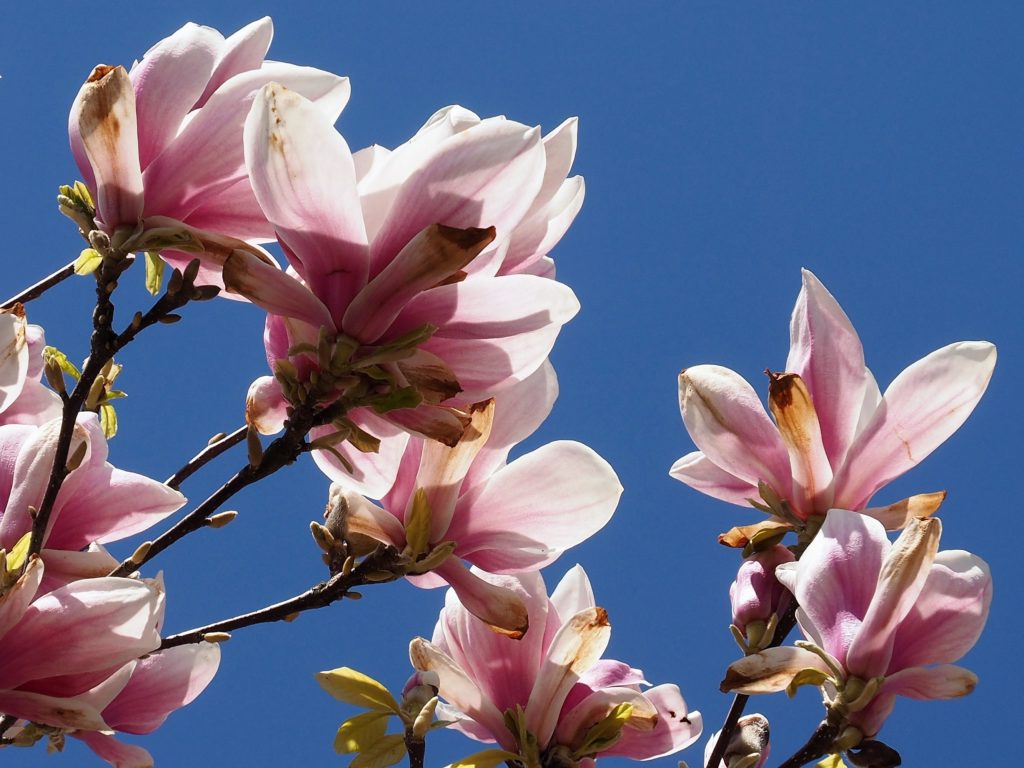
<point>771,670</point>
<point>500,608</point>
<point>700,473</point>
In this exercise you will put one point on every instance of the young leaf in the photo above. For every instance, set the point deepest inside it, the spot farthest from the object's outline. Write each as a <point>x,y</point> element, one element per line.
<point>355,688</point>
<point>359,733</point>
<point>386,751</point>
<point>154,272</point>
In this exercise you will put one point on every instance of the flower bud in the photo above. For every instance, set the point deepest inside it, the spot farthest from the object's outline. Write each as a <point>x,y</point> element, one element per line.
<point>757,596</point>
<point>749,745</point>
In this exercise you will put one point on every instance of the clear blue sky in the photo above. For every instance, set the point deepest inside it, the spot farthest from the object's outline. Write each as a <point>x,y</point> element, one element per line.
<point>724,147</point>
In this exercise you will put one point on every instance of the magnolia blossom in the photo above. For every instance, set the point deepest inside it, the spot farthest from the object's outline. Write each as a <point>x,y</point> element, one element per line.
<point>23,399</point>
<point>553,683</point>
<point>162,145</point>
<point>61,652</point>
<point>396,277</point>
<point>97,502</point>
<point>503,518</point>
<point>886,619</point>
<point>836,438</point>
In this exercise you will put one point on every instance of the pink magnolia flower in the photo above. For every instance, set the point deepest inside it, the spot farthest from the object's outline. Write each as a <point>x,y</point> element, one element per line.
<point>836,438</point>
<point>156,686</point>
<point>163,143</point>
<point>886,619</point>
<point>376,262</point>
<point>97,502</point>
<point>502,518</point>
<point>61,651</point>
<point>552,684</point>
<point>23,399</point>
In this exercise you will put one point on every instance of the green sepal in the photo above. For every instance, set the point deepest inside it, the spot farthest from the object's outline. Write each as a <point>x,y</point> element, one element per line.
<point>154,272</point>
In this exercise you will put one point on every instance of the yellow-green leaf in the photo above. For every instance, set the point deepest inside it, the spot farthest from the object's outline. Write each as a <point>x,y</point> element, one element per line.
<point>55,356</point>
<point>154,272</point>
<point>359,733</point>
<point>832,761</point>
<point>357,689</point>
<point>16,557</point>
<point>386,751</point>
<point>88,261</point>
<point>108,420</point>
<point>489,758</point>
<point>806,676</point>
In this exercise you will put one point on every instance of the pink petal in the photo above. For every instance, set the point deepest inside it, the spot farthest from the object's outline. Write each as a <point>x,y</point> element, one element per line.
<point>116,753</point>
<point>504,669</point>
<point>367,519</point>
<point>51,710</point>
<point>502,609</point>
<point>87,625</point>
<point>35,405</point>
<point>677,728</point>
<point>837,576</point>
<point>373,473</point>
<point>574,649</point>
<point>459,690</point>
<point>945,682</point>
<point>241,52</point>
<point>303,176</point>
<point>273,290</point>
<point>925,404</point>
<point>265,407</point>
<point>233,209</point>
<point>63,567</point>
<point>207,156</point>
<point>15,601</point>
<point>825,351</point>
<point>572,595</point>
<point>160,684</point>
<point>486,176</point>
<point>947,618</point>
<point>518,411</point>
<point>168,81</point>
<point>726,420</point>
<point>577,718</point>
<point>697,471</point>
<point>537,235</point>
<point>535,508</point>
<point>431,257</point>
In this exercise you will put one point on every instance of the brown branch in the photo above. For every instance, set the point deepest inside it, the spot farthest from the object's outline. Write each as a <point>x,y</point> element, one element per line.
<point>818,745</point>
<point>369,571</point>
<point>739,702</point>
<point>416,746</point>
<point>208,454</point>
<point>37,290</point>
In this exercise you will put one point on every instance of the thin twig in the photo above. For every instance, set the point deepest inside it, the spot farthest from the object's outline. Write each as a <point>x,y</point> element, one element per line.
<point>281,452</point>
<point>208,454</point>
<point>786,623</point>
<point>384,559</point>
<point>37,290</point>
<point>416,746</point>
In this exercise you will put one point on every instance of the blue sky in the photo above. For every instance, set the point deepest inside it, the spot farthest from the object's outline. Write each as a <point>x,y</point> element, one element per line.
<point>724,147</point>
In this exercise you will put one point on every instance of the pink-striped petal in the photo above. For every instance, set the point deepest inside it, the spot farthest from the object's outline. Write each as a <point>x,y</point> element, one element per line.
<point>275,291</point>
<point>241,52</point>
<point>51,710</point>
<point>14,358</point>
<point>947,618</point>
<point>923,406</point>
<point>575,648</point>
<point>486,176</point>
<point>303,176</point>
<point>837,576</point>
<point>697,471</point>
<point>572,595</point>
<point>676,729</point>
<point>826,353</point>
<point>726,420</point>
<point>535,508</point>
<point>15,601</point>
<point>373,473</point>
<point>168,81</point>
<point>503,610</point>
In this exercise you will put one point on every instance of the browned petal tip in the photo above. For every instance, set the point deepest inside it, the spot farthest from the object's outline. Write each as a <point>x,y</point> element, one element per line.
<point>99,72</point>
<point>515,633</point>
<point>470,238</point>
<point>600,617</point>
<point>781,386</point>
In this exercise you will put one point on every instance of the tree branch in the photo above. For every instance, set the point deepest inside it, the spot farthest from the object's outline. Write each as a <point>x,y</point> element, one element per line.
<point>37,290</point>
<point>369,571</point>
<point>208,454</point>
<point>817,746</point>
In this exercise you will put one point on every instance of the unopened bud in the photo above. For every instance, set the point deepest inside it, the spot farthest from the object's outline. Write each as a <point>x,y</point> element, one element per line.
<point>322,536</point>
<point>423,720</point>
<point>758,597</point>
<point>749,745</point>
<point>77,456</point>
<point>221,519</point>
<point>255,447</point>
<point>216,637</point>
<point>141,553</point>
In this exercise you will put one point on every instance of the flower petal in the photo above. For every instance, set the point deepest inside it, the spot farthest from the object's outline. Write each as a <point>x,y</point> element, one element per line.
<point>697,471</point>
<point>770,670</point>
<point>925,404</point>
<point>726,420</point>
<point>676,729</point>
<point>495,605</point>
<point>241,52</point>
<point>535,508</point>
